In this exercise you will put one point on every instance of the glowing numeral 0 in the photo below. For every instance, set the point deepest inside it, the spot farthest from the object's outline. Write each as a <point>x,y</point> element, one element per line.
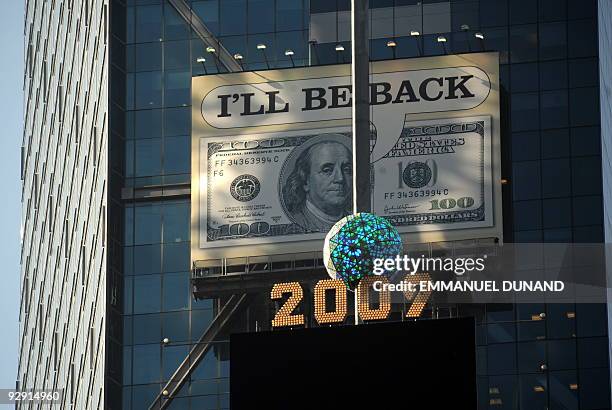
<point>339,313</point>
<point>363,297</point>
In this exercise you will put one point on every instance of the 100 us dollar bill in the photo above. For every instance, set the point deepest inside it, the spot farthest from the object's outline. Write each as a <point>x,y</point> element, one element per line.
<point>436,175</point>
<point>283,186</point>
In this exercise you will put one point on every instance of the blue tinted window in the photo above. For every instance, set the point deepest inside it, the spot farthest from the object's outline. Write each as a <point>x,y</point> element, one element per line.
<point>148,23</point>
<point>147,329</point>
<point>557,212</point>
<point>147,157</point>
<point>497,39</point>
<point>176,291</point>
<point>526,180</point>
<point>200,320</point>
<point>177,121</point>
<point>501,332</point>
<point>588,210</point>
<point>127,294</point>
<point>208,12</point>
<point>594,388</point>
<point>144,393</point>
<point>175,27</point>
<point>501,358</point>
<point>532,330</point>
<point>553,75</point>
<point>295,41</point>
<point>555,143</point>
<point>148,92</point>
<point>147,56</point>
<point>593,352</point>
<point>504,389</point>
<point>531,355</point>
<point>177,88</point>
<point>176,326</point>
<point>562,396</point>
<point>588,234</point>
<point>289,15</point>
<point>408,47</point>
<point>561,354</point>
<point>591,318</point>
<point>176,54</point>
<point>523,43</point>
<point>147,259</point>
<point>584,72</point>
<point>173,356</point>
<point>322,6</point>
<point>147,124</point>
<point>176,257</point>
<point>233,17</point>
<point>560,321</point>
<point>527,215</point>
<point>523,11</point>
<point>586,176</point>
<point>585,141</point>
<point>147,294</point>
<point>579,9</point>
<point>260,16</point>
<point>466,12</point>
<point>525,112</point>
<point>208,367</point>
<point>552,10</point>
<point>176,222</point>
<point>129,159</point>
<point>532,391</point>
<point>524,77</point>
<point>582,38</point>
<point>552,41</point>
<point>558,235</point>
<point>493,13</point>
<point>555,178</point>
<point>146,364</point>
<point>584,107</point>
<point>147,224</point>
<point>525,146</point>
<point>177,155</point>
<point>528,236</point>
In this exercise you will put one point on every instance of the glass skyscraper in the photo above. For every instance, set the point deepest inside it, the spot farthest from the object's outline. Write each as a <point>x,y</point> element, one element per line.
<point>106,274</point>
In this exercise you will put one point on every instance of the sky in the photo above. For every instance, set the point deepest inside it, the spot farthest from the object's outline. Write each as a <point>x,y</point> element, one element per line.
<point>11,118</point>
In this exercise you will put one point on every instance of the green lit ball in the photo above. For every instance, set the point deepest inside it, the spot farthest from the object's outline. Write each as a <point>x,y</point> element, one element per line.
<point>354,242</point>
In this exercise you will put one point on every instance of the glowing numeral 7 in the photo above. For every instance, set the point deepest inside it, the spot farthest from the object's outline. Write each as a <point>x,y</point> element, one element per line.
<point>419,299</point>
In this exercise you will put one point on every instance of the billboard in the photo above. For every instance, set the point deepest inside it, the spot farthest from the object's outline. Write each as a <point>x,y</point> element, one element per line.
<point>271,154</point>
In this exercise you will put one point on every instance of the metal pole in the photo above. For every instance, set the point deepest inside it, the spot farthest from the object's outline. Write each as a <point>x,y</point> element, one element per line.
<point>360,82</point>
<point>356,308</point>
<point>361,105</point>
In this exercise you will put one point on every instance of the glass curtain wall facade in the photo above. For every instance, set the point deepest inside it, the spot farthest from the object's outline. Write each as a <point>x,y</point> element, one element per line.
<point>64,197</point>
<point>529,356</point>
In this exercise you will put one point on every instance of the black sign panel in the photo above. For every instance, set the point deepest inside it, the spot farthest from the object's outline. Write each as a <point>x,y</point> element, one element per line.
<point>373,366</point>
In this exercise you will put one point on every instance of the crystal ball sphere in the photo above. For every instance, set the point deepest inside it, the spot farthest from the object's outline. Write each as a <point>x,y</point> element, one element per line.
<point>354,242</point>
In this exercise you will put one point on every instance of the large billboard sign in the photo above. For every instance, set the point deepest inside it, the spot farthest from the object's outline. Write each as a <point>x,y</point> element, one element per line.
<point>271,154</point>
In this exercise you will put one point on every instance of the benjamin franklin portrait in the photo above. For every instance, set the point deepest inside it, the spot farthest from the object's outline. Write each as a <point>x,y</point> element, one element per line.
<point>317,192</point>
